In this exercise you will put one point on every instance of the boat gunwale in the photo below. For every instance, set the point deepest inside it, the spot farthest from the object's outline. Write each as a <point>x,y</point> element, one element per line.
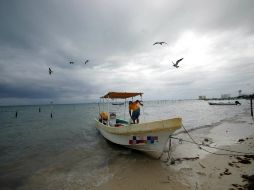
<point>142,127</point>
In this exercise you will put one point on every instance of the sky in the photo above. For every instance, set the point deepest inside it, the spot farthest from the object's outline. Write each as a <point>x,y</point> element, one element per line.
<point>215,39</point>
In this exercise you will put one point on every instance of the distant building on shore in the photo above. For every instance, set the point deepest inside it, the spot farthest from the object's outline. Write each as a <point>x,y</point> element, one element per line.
<point>225,96</point>
<point>202,97</point>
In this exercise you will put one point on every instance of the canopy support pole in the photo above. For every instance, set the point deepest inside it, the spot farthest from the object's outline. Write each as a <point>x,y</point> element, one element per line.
<point>124,108</point>
<point>108,111</point>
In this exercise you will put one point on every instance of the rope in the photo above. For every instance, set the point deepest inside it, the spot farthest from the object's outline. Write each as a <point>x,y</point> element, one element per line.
<point>227,150</point>
<point>169,147</point>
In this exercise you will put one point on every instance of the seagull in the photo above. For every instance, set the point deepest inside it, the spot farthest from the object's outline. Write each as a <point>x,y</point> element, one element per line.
<point>86,61</point>
<point>71,62</point>
<point>159,43</point>
<point>176,64</point>
<point>50,71</point>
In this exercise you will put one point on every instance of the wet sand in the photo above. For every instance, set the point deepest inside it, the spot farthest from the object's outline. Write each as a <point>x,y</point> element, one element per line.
<point>190,167</point>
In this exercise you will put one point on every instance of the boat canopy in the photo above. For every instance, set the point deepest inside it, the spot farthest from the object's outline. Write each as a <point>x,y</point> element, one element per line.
<point>121,95</point>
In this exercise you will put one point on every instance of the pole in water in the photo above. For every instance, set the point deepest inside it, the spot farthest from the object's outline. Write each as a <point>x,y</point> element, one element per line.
<point>251,108</point>
<point>39,109</point>
<point>51,115</point>
<point>16,115</point>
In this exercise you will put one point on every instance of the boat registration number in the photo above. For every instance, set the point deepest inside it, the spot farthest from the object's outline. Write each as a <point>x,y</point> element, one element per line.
<point>143,139</point>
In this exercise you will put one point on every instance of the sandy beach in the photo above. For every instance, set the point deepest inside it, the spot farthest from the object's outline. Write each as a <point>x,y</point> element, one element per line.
<point>192,167</point>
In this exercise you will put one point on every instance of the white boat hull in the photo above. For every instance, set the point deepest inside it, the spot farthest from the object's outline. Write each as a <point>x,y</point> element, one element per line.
<point>150,138</point>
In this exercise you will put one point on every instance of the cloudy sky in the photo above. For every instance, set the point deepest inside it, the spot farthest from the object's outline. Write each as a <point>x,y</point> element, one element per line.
<point>215,38</point>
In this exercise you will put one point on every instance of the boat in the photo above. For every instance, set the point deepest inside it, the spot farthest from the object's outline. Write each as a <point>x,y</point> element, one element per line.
<point>148,137</point>
<point>117,103</point>
<point>225,103</point>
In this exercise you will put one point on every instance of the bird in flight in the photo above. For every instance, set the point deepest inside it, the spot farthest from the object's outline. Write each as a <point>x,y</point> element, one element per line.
<point>176,64</point>
<point>50,71</point>
<point>71,62</point>
<point>86,61</point>
<point>159,43</point>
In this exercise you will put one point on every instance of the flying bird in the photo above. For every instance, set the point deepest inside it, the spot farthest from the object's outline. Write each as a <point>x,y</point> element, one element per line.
<point>71,62</point>
<point>50,71</point>
<point>86,61</point>
<point>159,43</point>
<point>176,64</point>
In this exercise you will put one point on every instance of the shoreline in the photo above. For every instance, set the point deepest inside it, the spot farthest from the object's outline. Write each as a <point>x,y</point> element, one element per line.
<point>194,168</point>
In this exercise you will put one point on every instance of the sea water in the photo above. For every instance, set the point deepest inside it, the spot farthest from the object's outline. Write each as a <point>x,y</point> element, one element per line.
<point>58,146</point>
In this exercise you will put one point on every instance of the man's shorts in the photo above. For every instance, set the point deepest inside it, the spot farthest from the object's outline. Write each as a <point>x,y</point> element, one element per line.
<point>135,114</point>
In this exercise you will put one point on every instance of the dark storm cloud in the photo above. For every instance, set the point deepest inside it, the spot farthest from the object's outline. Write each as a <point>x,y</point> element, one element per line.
<point>22,25</point>
<point>111,25</point>
<point>34,91</point>
<point>19,91</point>
<point>96,25</point>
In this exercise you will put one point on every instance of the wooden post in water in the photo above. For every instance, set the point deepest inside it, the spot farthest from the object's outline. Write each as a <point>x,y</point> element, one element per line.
<point>251,109</point>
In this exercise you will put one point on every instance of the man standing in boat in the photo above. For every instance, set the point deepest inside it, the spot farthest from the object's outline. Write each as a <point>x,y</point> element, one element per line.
<point>134,107</point>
